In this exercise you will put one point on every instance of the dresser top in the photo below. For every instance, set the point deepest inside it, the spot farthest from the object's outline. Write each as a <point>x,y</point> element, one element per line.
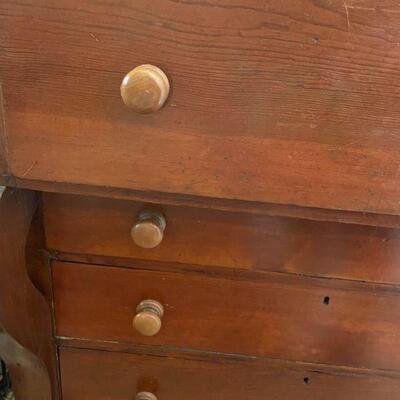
<point>294,103</point>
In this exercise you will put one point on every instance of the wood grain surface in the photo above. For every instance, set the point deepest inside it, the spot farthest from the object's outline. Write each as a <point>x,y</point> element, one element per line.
<point>107,375</point>
<point>26,330</point>
<point>204,239</point>
<point>290,318</point>
<point>289,102</point>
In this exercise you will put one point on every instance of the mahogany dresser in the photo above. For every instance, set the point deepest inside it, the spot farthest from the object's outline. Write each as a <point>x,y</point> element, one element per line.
<point>201,199</point>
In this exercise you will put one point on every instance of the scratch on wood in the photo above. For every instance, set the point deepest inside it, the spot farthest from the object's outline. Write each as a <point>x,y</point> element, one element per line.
<point>383,10</point>
<point>376,9</point>
<point>391,11</point>
<point>94,37</point>
<point>360,8</point>
<point>346,7</point>
<point>29,169</point>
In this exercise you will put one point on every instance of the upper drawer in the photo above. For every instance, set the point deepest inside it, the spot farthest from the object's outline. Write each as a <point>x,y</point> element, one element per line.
<point>293,102</point>
<point>98,226</point>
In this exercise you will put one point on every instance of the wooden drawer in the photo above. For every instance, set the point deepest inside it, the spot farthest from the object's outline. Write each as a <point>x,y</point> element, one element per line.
<point>88,375</point>
<point>294,318</point>
<point>101,227</point>
<point>291,102</point>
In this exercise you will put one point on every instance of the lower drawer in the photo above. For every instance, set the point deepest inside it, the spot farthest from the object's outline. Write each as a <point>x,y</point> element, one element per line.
<point>104,375</point>
<point>278,316</point>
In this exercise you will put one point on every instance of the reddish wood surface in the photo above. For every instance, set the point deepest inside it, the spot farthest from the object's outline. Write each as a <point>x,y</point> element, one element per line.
<point>100,375</point>
<point>3,143</point>
<point>280,210</point>
<point>293,102</point>
<point>207,238</point>
<point>37,257</point>
<point>26,336</point>
<point>280,317</point>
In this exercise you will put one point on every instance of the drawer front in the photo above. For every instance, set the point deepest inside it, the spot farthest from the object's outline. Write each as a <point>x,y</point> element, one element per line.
<point>198,237</point>
<point>293,102</point>
<point>282,317</point>
<point>89,374</point>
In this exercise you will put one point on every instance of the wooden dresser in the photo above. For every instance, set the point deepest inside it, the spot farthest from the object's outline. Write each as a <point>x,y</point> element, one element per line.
<point>201,199</point>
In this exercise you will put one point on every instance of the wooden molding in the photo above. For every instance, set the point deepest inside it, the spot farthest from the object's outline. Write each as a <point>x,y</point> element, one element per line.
<point>281,210</point>
<point>26,337</point>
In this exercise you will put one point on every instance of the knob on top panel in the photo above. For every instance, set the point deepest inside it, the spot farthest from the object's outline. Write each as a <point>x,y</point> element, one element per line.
<point>145,89</point>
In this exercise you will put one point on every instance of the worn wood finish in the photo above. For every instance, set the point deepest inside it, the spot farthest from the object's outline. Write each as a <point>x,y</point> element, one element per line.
<point>98,226</point>
<point>103,375</point>
<point>26,342</point>
<point>293,102</point>
<point>280,316</point>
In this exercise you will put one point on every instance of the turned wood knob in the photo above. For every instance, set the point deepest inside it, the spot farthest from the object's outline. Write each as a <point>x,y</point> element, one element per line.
<point>148,231</point>
<point>145,89</point>
<point>148,317</point>
<point>145,396</point>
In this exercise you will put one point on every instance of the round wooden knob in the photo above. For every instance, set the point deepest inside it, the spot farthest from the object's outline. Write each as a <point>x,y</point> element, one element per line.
<point>148,317</point>
<point>148,231</point>
<point>145,89</point>
<point>145,396</point>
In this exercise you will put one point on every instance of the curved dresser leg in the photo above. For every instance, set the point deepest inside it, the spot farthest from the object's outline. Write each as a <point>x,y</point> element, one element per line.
<point>26,340</point>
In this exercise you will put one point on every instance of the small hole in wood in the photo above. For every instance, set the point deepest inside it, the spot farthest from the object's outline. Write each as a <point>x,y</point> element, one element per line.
<point>326,300</point>
<point>306,380</point>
